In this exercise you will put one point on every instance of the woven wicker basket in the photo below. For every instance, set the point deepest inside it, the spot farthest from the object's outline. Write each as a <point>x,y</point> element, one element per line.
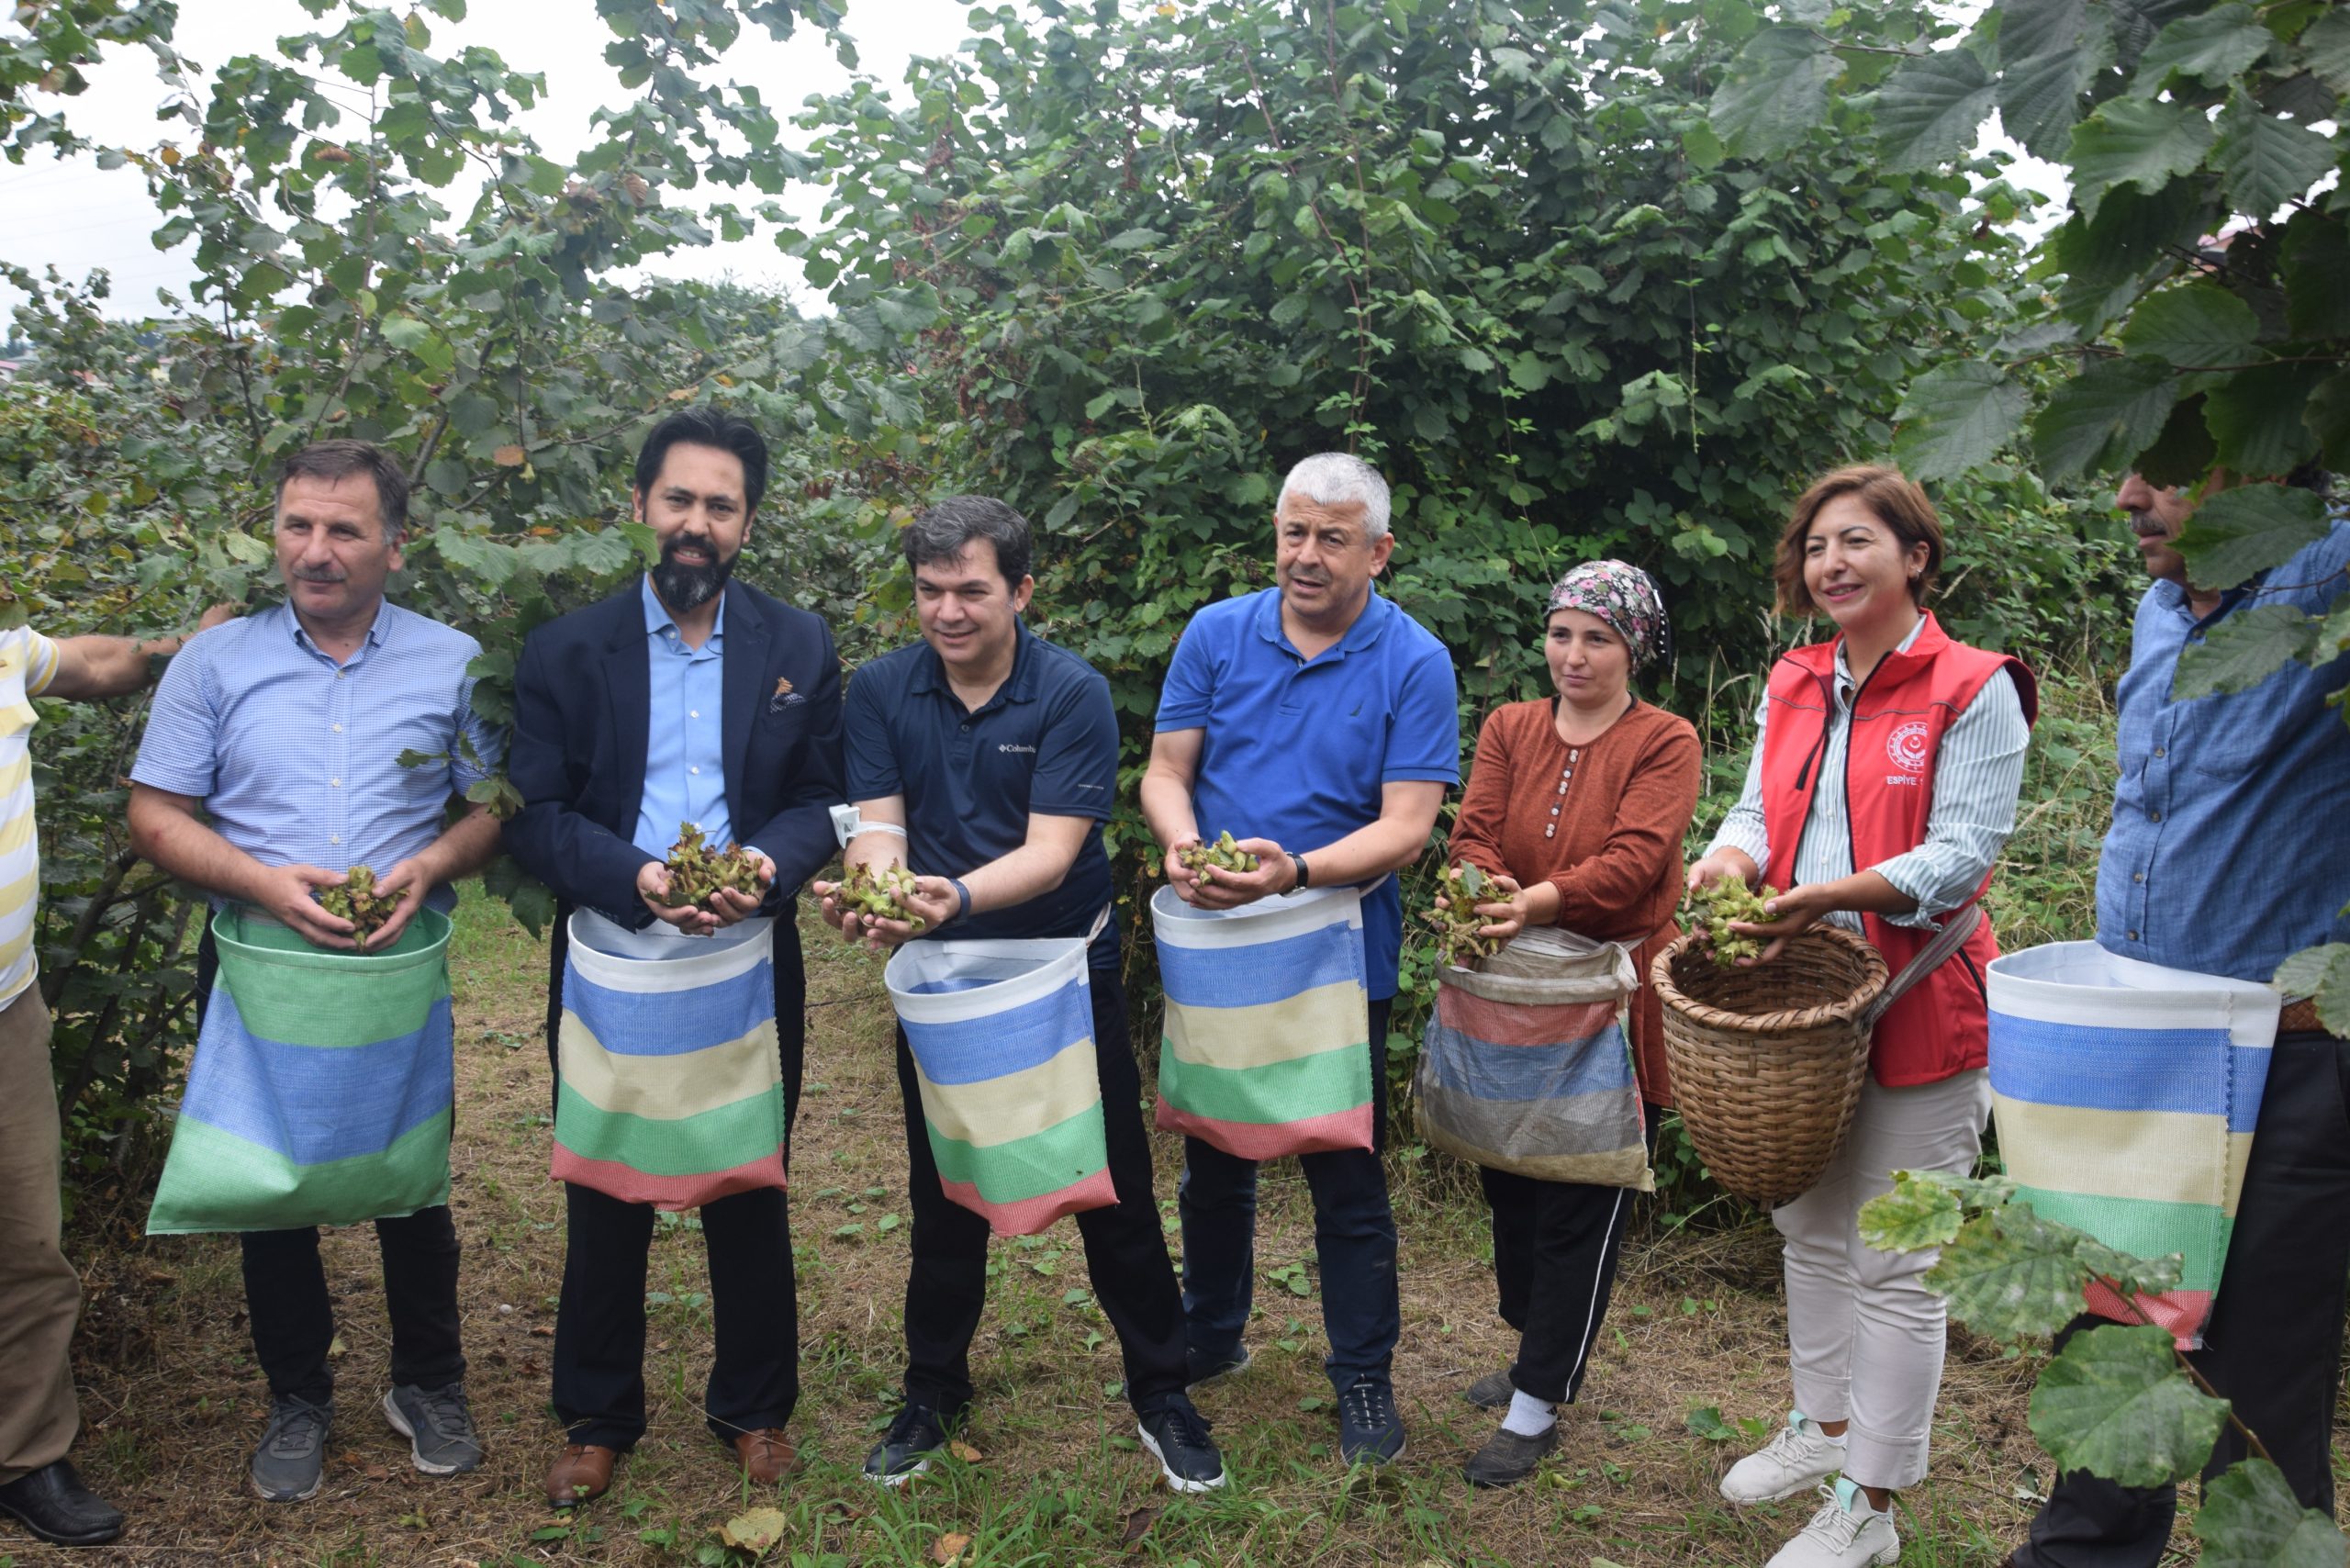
<point>1767,1061</point>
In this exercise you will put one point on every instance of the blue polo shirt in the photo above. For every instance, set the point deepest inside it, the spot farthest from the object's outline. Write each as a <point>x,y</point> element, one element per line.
<point>1045,742</point>
<point>1298,750</point>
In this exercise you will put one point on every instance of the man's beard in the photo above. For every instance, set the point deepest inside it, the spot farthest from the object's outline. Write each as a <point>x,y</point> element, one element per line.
<point>685,587</point>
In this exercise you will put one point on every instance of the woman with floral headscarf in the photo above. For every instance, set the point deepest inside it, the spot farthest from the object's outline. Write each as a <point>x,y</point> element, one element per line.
<point>1575,806</point>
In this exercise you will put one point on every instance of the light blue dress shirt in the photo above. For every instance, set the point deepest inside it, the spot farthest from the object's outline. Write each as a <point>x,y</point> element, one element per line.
<point>297,758</point>
<point>2230,849</point>
<point>684,764</point>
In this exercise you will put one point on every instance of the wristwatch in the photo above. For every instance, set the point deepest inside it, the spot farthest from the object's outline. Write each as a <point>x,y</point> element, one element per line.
<point>1303,880</point>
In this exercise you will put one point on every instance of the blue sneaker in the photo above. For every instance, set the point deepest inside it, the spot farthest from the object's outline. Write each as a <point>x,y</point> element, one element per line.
<point>1370,1430</point>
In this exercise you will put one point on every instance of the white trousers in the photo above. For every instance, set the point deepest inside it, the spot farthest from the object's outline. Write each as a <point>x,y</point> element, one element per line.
<point>1865,1337</point>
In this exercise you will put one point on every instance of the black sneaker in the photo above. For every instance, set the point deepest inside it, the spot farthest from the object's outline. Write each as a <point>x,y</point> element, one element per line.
<point>1369,1431</point>
<point>905,1448</point>
<point>1509,1457</point>
<point>1491,1391</point>
<point>1199,1369</point>
<point>1177,1436</point>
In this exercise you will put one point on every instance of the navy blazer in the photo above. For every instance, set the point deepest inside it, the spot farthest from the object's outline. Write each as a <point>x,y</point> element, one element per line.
<point>583,695</point>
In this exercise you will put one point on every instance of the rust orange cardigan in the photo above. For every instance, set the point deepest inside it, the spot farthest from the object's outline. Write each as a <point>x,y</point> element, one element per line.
<point>1615,854</point>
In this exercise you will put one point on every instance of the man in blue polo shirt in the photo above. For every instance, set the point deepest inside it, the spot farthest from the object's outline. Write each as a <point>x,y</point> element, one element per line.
<point>2230,852</point>
<point>1319,725</point>
<point>984,760</point>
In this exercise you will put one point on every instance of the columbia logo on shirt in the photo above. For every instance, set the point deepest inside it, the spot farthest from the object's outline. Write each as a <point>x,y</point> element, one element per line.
<point>1008,746</point>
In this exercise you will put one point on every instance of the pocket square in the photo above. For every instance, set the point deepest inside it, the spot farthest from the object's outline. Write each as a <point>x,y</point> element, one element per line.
<point>785,696</point>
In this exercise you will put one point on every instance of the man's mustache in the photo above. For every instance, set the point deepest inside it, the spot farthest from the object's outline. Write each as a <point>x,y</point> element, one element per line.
<point>318,575</point>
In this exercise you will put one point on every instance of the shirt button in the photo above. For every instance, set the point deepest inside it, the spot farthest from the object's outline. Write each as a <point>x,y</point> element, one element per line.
<point>334,783</point>
<point>693,769</point>
<point>336,728</point>
<point>2160,752</point>
<point>966,729</point>
<point>2154,816</point>
<point>334,838</point>
<point>2137,875</point>
<point>693,712</point>
<point>2131,936</point>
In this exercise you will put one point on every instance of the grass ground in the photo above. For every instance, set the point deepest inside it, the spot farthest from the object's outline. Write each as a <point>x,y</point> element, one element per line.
<point>173,1401</point>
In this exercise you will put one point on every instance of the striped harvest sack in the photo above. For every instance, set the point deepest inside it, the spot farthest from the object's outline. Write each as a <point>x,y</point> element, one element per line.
<point>1525,1066</point>
<point>1001,1034</point>
<point>669,1088</point>
<point>2126,1094</point>
<point>321,1087</point>
<point>1267,1044</point>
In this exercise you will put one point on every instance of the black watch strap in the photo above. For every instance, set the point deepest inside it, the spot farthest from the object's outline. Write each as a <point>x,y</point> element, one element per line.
<point>1303,880</point>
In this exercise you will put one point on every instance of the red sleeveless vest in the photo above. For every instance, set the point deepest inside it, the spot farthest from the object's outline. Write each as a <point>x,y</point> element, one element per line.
<point>1899,715</point>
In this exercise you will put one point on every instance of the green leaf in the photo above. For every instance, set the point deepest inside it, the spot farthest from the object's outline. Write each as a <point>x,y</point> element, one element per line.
<point>2134,141</point>
<point>1956,417</point>
<point>2195,324</point>
<point>2009,1274</point>
<point>2244,650</point>
<point>2049,51</point>
<point>1927,112</point>
<point>2247,530</point>
<point>2325,48</point>
<point>2265,162</point>
<point>2212,47</point>
<point>2256,417</point>
<point>1914,1215</point>
<point>2328,417</point>
<point>1702,147</point>
<point>2103,417</point>
<point>2316,261</point>
<point>2115,1403</point>
<point>2322,973</point>
<point>2249,1518</point>
<point>1134,240</point>
<point>1775,92</point>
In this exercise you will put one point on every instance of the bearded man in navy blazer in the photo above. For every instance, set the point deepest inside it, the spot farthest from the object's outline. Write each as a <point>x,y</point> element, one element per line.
<point>683,697</point>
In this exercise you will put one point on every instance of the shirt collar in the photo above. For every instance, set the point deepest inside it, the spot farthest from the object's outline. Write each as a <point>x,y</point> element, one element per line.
<point>657,618</point>
<point>1367,628</point>
<point>1020,686</point>
<point>378,630</point>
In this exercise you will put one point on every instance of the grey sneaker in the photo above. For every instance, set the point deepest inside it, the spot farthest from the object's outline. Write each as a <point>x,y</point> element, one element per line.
<point>291,1460</point>
<point>438,1425</point>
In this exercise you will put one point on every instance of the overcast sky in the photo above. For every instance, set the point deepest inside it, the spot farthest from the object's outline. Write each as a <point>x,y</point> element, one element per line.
<point>79,217</point>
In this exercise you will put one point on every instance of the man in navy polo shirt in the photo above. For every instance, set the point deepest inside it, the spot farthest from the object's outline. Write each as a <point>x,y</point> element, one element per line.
<point>986,760</point>
<point>1323,721</point>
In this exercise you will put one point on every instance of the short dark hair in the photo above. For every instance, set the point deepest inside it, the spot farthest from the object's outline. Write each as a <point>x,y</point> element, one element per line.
<point>941,530</point>
<point>1898,504</point>
<point>340,459</point>
<point>706,426</point>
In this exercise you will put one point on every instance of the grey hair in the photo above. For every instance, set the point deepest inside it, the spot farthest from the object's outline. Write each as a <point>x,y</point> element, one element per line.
<point>941,530</point>
<point>1338,479</point>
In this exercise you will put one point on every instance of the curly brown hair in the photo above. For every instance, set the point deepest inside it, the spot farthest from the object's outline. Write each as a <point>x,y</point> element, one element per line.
<point>1898,504</point>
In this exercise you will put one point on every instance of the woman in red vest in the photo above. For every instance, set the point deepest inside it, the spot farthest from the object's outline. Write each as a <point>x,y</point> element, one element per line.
<point>1883,788</point>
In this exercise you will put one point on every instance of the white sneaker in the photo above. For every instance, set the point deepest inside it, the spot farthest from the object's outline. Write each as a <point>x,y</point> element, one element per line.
<point>1801,1456</point>
<point>1845,1533</point>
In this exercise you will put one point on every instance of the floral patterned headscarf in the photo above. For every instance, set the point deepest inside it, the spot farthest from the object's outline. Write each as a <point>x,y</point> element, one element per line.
<point>1626,598</point>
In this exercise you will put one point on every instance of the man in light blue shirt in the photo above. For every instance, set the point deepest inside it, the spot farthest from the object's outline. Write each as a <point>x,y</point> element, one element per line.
<point>286,729</point>
<point>2229,851</point>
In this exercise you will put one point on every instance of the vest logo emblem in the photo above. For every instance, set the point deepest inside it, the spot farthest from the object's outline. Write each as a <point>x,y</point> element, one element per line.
<point>1907,746</point>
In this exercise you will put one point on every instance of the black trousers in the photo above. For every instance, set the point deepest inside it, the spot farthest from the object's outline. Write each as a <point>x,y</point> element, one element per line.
<point>286,1284</point>
<point>1555,1245</point>
<point>1125,1247</point>
<point>600,1320</point>
<point>2274,1344</point>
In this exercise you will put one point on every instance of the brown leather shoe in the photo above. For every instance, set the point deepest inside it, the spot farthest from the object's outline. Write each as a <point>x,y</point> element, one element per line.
<point>766,1454</point>
<point>582,1473</point>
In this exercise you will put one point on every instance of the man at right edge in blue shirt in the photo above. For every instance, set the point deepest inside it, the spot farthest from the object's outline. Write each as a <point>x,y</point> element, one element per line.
<point>2229,851</point>
<point>1318,724</point>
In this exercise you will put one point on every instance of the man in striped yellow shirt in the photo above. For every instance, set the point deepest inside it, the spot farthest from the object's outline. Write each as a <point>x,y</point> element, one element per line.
<point>41,1295</point>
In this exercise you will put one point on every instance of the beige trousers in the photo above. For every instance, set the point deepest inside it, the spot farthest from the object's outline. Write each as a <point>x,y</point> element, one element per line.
<point>1864,1335</point>
<point>41,1295</point>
